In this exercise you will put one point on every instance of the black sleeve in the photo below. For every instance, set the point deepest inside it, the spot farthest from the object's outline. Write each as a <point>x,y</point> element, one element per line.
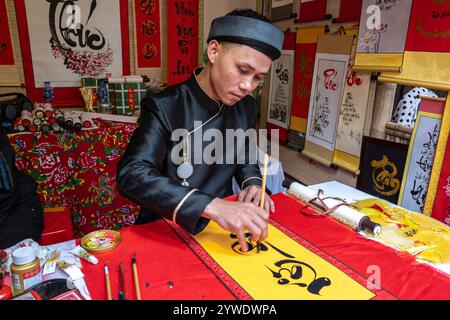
<point>140,174</point>
<point>248,174</point>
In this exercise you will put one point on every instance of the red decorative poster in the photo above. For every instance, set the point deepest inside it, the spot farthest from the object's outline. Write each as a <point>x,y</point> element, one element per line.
<point>305,54</point>
<point>429,27</point>
<point>148,41</point>
<point>6,52</point>
<point>441,208</point>
<point>182,27</point>
<point>312,10</point>
<point>350,10</point>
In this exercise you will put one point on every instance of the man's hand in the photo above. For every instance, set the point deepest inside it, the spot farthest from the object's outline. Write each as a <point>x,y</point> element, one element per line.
<point>238,218</point>
<point>253,194</point>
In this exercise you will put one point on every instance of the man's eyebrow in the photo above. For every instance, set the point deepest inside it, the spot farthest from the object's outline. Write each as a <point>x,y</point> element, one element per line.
<point>245,64</point>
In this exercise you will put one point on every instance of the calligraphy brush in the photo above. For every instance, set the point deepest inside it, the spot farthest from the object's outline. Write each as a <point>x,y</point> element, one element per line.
<point>108,283</point>
<point>122,282</point>
<point>263,190</point>
<point>135,276</point>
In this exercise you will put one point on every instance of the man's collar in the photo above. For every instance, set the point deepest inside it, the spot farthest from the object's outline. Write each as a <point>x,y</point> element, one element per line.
<point>204,99</point>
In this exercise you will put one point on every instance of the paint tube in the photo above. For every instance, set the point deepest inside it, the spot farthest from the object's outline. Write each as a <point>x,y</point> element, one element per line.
<point>82,253</point>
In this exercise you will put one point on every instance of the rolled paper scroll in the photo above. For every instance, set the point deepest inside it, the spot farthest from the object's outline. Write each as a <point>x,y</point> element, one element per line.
<point>126,79</point>
<point>343,214</point>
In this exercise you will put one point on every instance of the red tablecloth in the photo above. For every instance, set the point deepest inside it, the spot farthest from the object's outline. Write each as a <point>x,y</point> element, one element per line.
<point>163,257</point>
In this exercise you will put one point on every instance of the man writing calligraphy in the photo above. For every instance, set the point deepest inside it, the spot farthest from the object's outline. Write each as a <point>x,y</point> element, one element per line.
<point>241,47</point>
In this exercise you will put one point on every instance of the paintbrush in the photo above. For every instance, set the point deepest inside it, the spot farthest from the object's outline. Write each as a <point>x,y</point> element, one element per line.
<point>263,190</point>
<point>122,283</point>
<point>135,276</point>
<point>108,283</point>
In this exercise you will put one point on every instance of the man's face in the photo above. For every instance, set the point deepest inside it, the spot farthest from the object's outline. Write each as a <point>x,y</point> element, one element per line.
<point>236,71</point>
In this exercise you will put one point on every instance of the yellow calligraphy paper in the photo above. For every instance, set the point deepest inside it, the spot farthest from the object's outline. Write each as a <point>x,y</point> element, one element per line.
<point>283,269</point>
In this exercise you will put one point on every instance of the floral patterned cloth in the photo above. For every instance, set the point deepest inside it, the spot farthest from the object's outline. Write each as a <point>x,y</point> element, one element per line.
<point>77,170</point>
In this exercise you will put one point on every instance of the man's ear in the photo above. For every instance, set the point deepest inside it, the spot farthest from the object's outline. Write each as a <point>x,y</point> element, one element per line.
<point>213,50</point>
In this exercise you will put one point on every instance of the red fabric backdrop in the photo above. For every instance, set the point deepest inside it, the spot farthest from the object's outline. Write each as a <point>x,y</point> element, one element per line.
<point>182,26</point>
<point>148,32</point>
<point>6,51</point>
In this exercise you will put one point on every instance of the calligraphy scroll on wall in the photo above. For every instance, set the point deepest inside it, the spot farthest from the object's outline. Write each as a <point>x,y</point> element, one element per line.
<point>6,50</point>
<point>273,122</point>
<point>263,277</point>
<point>427,47</point>
<point>91,50</point>
<point>382,35</point>
<point>441,208</point>
<point>382,166</point>
<point>305,52</point>
<point>148,31</point>
<point>182,26</point>
<point>422,149</point>
<point>352,115</point>
<point>330,69</point>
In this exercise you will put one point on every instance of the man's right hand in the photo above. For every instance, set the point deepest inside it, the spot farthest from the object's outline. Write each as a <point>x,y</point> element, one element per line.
<point>239,217</point>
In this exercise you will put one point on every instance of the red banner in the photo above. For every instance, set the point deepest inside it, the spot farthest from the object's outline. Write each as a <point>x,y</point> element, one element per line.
<point>429,26</point>
<point>441,208</point>
<point>148,41</point>
<point>312,10</point>
<point>6,52</point>
<point>182,26</point>
<point>305,54</point>
<point>350,10</point>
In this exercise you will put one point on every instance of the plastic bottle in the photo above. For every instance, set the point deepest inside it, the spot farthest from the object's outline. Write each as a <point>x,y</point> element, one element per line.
<point>47,92</point>
<point>25,270</point>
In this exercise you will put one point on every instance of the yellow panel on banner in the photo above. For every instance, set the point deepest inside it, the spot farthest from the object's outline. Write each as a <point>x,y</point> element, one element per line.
<point>282,270</point>
<point>379,62</point>
<point>424,69</point>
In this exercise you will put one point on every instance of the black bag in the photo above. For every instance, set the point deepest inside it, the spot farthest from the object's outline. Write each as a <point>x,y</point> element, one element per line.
<point>11,109</point>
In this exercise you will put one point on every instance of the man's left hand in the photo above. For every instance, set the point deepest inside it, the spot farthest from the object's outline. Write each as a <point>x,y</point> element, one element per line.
<point>253,194</point>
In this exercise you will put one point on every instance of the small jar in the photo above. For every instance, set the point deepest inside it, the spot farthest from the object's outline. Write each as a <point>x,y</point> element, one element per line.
<point>25,270</point>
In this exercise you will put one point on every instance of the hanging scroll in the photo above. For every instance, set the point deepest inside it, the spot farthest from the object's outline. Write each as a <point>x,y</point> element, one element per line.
<point>312,10</point>
<point>6,50</point>
<point>427,47</point>
<point>352,116</point>
<point>330,69</point>
<point>441,208</point>
<point>182,26</point>
<point>305,52</point>
<point>272,123</point>
<point>64,41</point>
<point>382,166</point>
<point>422,149</point>
<point>148,30</point>
<point>382,35</point>
<point>349,11</point>
<point>280,89</point>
